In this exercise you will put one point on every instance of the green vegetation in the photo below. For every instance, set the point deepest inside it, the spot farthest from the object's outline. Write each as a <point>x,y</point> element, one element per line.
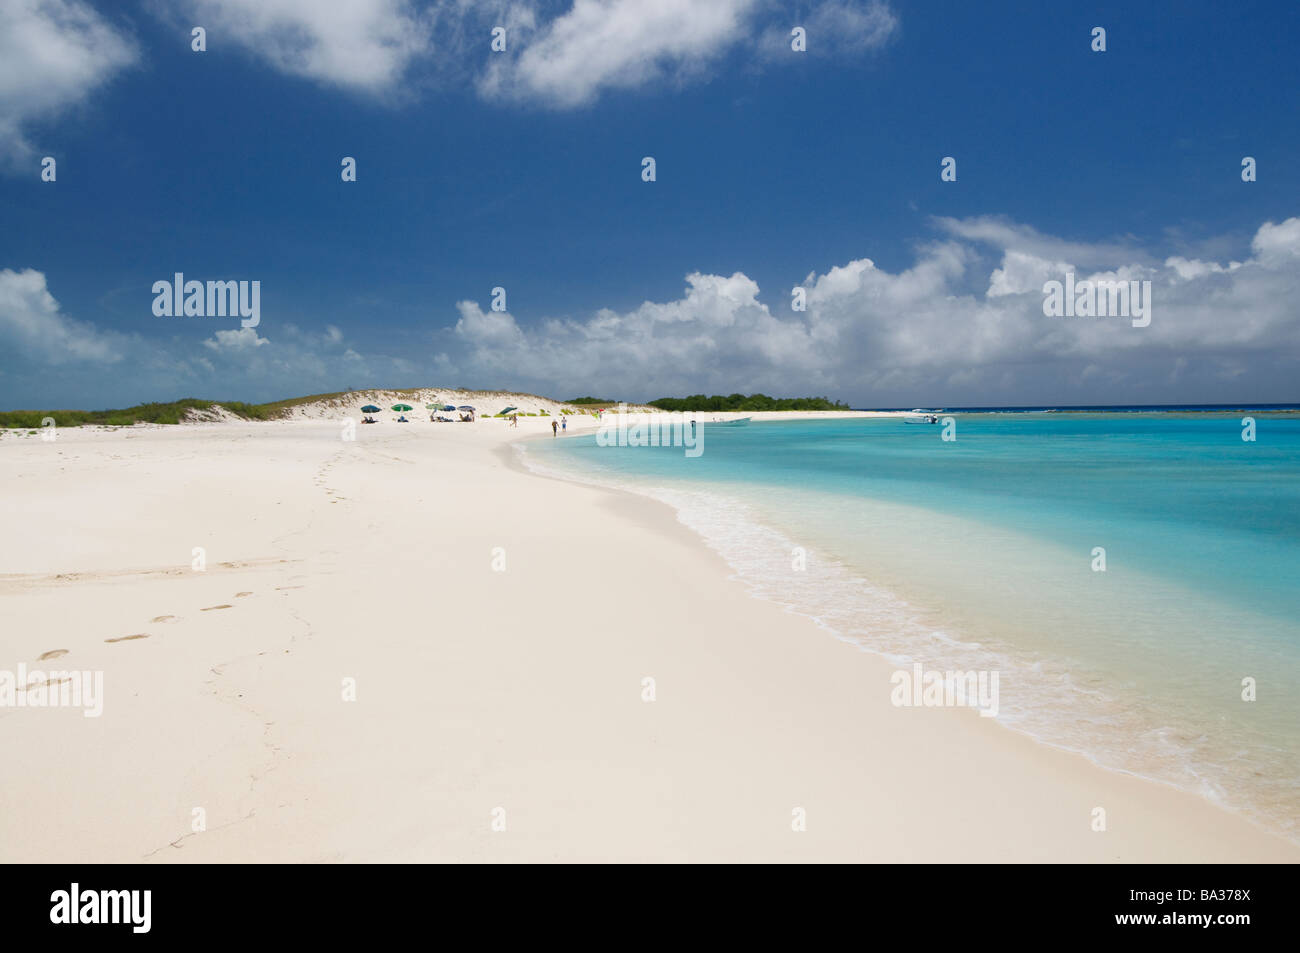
<point>155,413</point>
<point>754,402</point>
<point>175,412</point>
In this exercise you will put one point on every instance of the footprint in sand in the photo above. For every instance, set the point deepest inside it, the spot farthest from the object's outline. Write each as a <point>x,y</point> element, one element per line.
<point>288,587</point>
<point>53,653</point>
<point>162,618</point>
<point>240,595</point>
<point>225,605</point>
<point>32,686</point>
<point>128,638</point>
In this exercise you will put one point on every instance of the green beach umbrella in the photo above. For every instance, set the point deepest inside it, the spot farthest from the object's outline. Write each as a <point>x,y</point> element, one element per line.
<point>402,407</point>
<point>370,409</point>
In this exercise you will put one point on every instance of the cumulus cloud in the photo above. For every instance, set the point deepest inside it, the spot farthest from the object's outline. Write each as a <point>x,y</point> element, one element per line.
<point>363,45</point>
<point>555,56</point>
<point>32,325</point>
<point>964,324</point>
<point>1278,244</point>
<point>601,45</point>
<point>618,44</point>
<point>49,359</point>
<point>1188,269</point>
<point>380,48</point>
<point>485,329</point>
<point>1022,272</point>
<point>236,339</point>
<point>53,54</point>
<point>660,344</point>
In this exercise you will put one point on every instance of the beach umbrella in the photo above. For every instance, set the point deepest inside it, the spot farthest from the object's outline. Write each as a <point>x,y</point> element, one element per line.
<point>370,409</point>
<point>402,407</point>
<point>465,407</point>
<point>448,407</point>
<point>432,406</point>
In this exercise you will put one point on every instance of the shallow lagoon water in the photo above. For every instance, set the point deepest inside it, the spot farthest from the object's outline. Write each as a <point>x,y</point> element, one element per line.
<point>978,554</point>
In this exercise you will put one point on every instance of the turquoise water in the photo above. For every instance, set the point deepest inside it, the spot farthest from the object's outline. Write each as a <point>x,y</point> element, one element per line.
<point>978,553</point>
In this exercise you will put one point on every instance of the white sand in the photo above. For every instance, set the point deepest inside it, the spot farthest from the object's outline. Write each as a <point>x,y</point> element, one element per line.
<point>476,689</point>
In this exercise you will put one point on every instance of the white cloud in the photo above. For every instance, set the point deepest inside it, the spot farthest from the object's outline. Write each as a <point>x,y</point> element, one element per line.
<point>49,359</point>
<point>1190,269</point>
<point>478,327</point>
<point>881,337</point>
<point>1001,233</point>
<point>364,45</point>
<point>842,27</point>
<point>33,327</point>
<point>962,324</point>
<point>558,57</point>
<point>235,339</point>
<point>53,53</point>
<point>617,44</point>
<point>836,28</point>
<point>1278,244</point>
<point>601,45</point>
<point>1022,272</point>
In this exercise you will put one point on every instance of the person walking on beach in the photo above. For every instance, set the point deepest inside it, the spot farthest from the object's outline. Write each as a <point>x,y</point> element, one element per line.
<point>564,424</point>
<point>555,429</point>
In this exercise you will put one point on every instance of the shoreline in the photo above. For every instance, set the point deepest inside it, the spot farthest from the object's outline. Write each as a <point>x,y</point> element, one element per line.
<point>752,581</point>
<point>476,689</point>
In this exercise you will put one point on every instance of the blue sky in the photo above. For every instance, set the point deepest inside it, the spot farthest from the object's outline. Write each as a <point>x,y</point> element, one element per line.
<point>774,169</point>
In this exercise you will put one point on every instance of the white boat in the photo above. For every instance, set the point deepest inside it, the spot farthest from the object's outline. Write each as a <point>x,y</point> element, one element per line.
<point>922,417</point>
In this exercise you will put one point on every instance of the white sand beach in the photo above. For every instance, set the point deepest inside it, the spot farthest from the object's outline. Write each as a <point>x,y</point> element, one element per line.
<point>482,697</point>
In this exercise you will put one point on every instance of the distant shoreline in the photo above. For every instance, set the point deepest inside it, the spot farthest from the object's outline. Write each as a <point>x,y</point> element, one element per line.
<point>1103,409</point>
<point>194,410</point>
